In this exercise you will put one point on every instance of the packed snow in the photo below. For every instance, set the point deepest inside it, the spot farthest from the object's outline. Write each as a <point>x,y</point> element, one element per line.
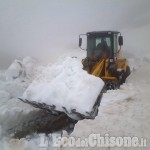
<point>65,84</point>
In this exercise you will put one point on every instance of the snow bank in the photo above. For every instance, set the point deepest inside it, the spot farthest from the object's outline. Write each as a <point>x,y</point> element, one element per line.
<point>13,83</point>
<point>17,77</point>
<point>65,84</point>
<point>23,69</point>
<point>15,70</point>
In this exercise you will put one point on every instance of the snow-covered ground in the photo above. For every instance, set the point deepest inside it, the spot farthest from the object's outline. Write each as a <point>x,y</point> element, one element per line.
<point>123,112</point>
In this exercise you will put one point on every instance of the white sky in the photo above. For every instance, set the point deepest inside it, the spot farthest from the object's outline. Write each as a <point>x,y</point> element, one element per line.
<point>49,27</point>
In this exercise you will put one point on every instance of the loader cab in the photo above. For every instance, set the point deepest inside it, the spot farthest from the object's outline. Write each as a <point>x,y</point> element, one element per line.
<point>102,44</point>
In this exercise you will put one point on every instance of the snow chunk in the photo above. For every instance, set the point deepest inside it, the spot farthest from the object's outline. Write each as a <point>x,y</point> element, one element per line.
<point>65,84</point>
<point>31,66</point>
<point>15,70</point>
<point>24,69</point>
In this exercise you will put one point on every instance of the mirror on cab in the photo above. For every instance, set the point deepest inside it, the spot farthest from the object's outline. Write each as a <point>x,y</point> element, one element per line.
<point>80,42</point>
<point>120,40</point>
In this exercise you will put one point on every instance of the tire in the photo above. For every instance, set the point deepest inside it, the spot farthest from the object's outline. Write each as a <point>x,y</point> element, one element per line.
<point>110,85</point>
<point>128,71</point>
<point>126,74</point>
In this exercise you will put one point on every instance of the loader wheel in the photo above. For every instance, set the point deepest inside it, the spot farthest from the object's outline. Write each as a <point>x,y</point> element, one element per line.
<point>125,75</point>
<point>110,85</point>
<point>128,71</point>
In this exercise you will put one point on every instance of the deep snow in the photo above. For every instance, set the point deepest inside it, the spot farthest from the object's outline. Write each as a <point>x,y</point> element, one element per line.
<point>123,112</point>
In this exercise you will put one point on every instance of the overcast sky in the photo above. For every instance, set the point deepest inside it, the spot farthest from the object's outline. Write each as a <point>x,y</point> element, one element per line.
<point>42,28</point>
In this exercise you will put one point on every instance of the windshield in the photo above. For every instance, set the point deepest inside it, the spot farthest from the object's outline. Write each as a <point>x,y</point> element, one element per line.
<point>97,46</point>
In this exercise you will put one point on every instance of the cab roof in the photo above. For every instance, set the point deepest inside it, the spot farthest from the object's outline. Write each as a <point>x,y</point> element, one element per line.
<point>102,32</point>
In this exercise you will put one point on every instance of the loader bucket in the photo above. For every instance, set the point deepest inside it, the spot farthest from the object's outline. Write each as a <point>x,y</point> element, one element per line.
<point>73,114</point>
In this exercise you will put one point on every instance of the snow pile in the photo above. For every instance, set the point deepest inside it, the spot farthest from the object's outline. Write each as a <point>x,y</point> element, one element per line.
<point>65,84</point>
<point>24,69</point>
<point>15,70</point>
<point>13,83</point>
<point>18,76</point>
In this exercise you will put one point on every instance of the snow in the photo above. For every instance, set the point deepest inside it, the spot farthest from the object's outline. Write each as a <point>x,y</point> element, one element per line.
<point>65,84</point>
<point>13,83</point>
<point>123,112</point>
<point>15,70</point>
<point>16,144</point>
<point>126,91</point>
<point>15,80</point>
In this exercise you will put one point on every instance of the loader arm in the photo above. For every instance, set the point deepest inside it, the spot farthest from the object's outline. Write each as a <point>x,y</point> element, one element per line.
<point>98,68</point>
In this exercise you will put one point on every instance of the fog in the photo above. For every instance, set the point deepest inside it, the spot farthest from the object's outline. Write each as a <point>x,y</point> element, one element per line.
<point>50,28</point>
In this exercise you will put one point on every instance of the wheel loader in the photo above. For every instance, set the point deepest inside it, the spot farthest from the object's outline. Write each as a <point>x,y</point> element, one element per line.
<point>104,58</point>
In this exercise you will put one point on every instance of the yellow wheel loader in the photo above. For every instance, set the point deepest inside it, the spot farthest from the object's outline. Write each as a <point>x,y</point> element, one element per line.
<point>104,58</point>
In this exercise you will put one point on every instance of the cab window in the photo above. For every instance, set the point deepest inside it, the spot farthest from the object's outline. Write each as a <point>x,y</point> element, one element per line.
<point>96,46</point>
